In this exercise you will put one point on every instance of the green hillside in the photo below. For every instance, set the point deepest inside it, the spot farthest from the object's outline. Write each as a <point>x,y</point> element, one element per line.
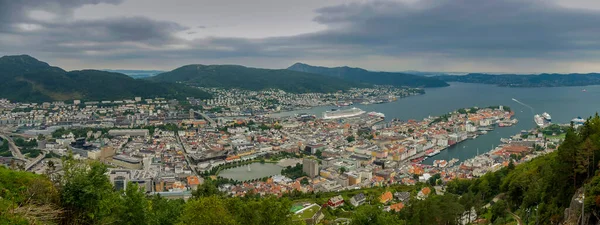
<point>27,79</point>
<point>370,77</point>
<point>233,76</point>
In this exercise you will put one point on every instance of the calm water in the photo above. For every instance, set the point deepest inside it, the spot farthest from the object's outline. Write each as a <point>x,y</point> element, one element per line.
<point>257,170</point>
<point>562,103</point>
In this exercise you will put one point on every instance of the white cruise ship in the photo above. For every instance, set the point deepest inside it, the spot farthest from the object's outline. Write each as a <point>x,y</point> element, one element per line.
<point>578,121</point>
<point>344,113</point>
<point>539,120</point>
<point>547,117</point>
<point>376,114</point>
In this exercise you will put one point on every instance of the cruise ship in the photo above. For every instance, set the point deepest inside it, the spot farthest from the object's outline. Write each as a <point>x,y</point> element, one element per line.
<point>547,117</point>
<point>344,113</point>
<point>578,121</point>
<point>376,114</point>
<point>539,120</point>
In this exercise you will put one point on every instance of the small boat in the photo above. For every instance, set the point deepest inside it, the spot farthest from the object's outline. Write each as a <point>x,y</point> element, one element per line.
<point>583,90</point>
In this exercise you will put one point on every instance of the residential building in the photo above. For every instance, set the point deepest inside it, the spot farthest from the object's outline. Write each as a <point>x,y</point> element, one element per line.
<point>358,199</point>
<point>335,201</point>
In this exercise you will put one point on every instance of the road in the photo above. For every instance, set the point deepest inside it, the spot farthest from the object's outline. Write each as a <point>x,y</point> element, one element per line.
<point>35,161</point>
<point>13,148</point>
<point>212,122</point>
<point>5,133</point>
<point>185,154</point>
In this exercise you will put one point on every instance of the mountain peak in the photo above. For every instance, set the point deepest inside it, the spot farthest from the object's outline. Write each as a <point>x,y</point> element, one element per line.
<point>22,60</point>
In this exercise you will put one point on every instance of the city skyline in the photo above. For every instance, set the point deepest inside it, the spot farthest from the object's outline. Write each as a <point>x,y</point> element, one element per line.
<point>450,36</point>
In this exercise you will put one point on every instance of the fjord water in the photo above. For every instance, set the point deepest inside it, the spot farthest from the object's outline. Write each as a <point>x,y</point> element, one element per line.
<point>563,103</point>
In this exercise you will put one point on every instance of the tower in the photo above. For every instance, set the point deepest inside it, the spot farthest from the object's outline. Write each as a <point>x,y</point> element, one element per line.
<point>310,167</point>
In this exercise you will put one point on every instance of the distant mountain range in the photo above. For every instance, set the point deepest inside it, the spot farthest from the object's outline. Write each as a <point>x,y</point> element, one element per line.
<point>370,77</point>
<point>27,79</point>
<point>137,74</point>
<point>533,80</point>
<point>234,76</point>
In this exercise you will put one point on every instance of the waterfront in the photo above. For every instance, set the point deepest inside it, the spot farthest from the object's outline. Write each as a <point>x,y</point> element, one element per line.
<point>563,103</point>
<point>257,171</point>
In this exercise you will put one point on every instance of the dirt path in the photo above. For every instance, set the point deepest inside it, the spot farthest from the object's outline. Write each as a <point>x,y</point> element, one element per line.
<point>519,221</point>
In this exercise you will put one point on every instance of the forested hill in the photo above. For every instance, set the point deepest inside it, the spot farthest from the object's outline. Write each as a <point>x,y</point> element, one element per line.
<point>234,76</point>
<point>370,77</point>
<point>27,79</point>
<point>513,80</point>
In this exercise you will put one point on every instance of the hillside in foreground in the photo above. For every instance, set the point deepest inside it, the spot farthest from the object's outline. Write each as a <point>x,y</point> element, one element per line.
<point>233,76</point>
<point>27,79</point>
<point>369,77</point>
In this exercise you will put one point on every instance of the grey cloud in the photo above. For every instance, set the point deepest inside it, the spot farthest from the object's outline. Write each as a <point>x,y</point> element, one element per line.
<point>468,28</point>
<point>16,10</point>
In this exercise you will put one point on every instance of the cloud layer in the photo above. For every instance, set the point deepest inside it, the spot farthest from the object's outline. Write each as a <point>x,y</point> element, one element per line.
<point>538,35</point>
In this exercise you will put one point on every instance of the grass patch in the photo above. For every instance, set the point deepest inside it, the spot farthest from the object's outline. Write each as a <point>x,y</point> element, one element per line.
<point>560,136</point>
<point>307,213</point>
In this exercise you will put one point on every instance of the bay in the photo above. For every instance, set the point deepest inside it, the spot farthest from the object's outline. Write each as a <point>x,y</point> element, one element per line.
<point>562,103</point>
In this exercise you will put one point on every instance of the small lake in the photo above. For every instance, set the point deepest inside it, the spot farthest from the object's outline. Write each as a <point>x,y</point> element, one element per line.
<point>256,171</point>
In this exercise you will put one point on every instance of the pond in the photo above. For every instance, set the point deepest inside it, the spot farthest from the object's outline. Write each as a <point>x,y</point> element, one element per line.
<point>251,171</point>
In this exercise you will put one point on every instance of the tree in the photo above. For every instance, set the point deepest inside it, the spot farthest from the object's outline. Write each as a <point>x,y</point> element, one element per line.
<point>499,209</point>
<point>369,214</point>
<point>304,181</point>
<point>210,210</point>
<point>164,211</point>
<point>350,138</point>
<point>319,154</point>
<point>208,188</point>
<point>136,206</point>
<point>343,169</point>
<point>87,195</point>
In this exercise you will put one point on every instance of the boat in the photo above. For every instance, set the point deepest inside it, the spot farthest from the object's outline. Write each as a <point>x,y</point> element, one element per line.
<point>483,132</point>
<point>452,162</point>
<point>485,128</point>
<point>539,120</point>
<point>440,163</point>
<point>547,117</point>
<point>343,113</point>
<point>583,90</point>
<point>418,160</point>
<point>432,153</point>
<point>341,104</point>
<point>376,114</point>
<point>505,140</point>
<point>578,120</point>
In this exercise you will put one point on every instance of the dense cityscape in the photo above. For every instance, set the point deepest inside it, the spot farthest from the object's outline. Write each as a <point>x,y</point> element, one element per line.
<point>171,147</point>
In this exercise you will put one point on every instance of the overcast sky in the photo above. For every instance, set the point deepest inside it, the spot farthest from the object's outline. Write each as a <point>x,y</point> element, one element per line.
<point>521,36</point>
